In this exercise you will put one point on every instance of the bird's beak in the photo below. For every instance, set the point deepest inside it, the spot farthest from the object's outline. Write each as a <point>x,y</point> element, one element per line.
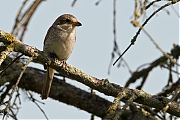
<point>77,24</point>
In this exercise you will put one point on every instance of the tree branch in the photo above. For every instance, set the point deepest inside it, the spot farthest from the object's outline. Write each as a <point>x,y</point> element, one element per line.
<point>66,93</point>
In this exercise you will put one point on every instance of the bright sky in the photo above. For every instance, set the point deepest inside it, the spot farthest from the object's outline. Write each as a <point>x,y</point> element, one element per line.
<point>92,51</point>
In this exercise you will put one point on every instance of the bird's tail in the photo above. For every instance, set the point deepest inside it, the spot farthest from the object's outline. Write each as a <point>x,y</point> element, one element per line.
<point>47,83</point>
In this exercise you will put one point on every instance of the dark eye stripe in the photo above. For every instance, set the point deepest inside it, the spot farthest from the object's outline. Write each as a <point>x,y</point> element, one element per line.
<point>64,21</point>
<point>67,20</point>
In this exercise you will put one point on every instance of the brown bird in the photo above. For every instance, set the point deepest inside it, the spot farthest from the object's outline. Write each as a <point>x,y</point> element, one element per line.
<point>59,41</point>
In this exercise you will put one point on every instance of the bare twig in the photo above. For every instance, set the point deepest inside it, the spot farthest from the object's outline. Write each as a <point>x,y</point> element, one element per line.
<point>151,3</point>
<point>5,53</point>
<point>3,56</point>
<point>172,99</point>
<point>17,22</point>
<point>175,71</point>
<point>158,47</point>
<point>34,101</point>
<point>136,23</point>
<point>1,72</point>
<point>112,109</point>
<point>17,82</point>
<point>116,48</point>
<point>127,103</point>
<point>159,62</point>
<point>169,89</point>
<point>122,54</point>
<point>175,11</point>
<point>22,19</point>
<point>73,3</point>
<point>97,3</point>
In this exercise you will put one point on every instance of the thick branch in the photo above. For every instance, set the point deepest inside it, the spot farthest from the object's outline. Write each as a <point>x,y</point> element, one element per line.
<point>66,93</point>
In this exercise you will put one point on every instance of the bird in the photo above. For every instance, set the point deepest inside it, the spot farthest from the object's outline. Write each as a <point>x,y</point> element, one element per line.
<point>59,42</point>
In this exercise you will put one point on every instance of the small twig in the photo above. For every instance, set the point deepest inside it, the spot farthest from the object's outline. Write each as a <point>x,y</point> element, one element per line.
<point>114,26</point>
<point>9,48</point>
<point>150,110</point>
<point>112,109</point>
<point>116,48</point>
<point>169,89</point>
<point>151,3</point>
<point>176,12</point>
<point>5,92</point>
<point>144,78</point>
<point>97,3</point>
<point>34,101</point>
<point>128,67</point>
<point>158,47</point>
<point>165,10</point>
<point>137,69</point>
<point>17,97</point>
<point>22,19</point>
<point>13,115</point>
<point>122,54</point>
<point>17,82</point>
<point>92,115</point>
<point>172,99</point>
<point>3,56</point>
<point>1,72</point>
<point>136,23</point>
<point>73,3</point>
<point>133,97</point>
<point>140,74</point>
<point>18,15</point>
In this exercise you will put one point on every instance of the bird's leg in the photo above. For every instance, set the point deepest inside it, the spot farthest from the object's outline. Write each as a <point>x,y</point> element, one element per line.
<point>64,64</point>
<point>48,58</point>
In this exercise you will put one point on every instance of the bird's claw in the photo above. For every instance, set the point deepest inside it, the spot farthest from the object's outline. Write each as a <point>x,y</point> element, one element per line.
<point>63,64</point>
<point>48,59</point>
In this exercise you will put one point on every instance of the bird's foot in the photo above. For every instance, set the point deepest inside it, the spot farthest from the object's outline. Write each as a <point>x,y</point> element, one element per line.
<point>63,64</point>
<point>48,59</point>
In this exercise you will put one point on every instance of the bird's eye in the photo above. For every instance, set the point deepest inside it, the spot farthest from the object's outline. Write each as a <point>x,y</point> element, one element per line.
<point>68,20</point>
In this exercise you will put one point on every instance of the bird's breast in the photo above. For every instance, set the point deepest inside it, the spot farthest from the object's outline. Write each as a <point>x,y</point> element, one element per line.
<point>61,44</point>
<point>63,48</point>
